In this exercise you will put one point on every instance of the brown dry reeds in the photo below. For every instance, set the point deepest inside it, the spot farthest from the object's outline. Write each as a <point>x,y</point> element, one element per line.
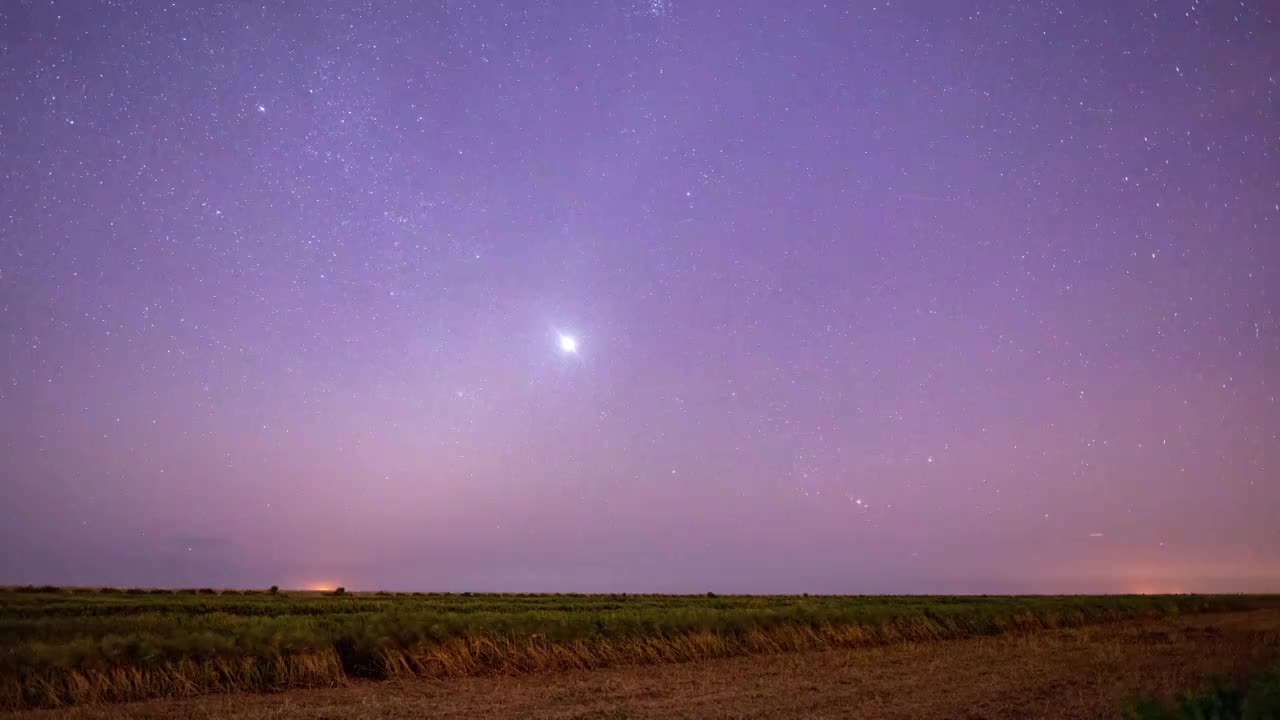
<point>488,653</point>
<point>172,679</point>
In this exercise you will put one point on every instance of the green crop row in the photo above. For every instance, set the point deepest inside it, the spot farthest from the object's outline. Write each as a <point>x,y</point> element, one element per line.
<point>59,647</point>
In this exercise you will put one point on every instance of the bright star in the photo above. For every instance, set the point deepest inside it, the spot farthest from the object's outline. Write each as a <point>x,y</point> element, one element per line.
<point>568,344</point>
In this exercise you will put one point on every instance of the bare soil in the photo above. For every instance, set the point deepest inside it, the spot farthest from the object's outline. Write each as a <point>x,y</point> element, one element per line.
<point>1080,673</point>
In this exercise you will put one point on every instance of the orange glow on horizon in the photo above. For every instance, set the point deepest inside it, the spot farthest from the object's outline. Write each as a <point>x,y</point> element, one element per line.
<point>1153,586</point>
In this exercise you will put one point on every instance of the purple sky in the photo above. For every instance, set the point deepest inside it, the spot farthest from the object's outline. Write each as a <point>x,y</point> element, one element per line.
<point>917,296</point>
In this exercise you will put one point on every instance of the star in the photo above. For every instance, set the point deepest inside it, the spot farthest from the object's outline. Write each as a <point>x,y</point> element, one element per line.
<point>822,316</point>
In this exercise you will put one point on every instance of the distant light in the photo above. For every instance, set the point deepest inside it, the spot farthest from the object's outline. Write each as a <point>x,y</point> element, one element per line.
<point>568,344</point>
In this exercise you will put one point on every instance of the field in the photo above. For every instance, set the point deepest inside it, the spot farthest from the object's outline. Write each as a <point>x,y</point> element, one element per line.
<point>69,647</point>
<point>1082,673</point>
<point>1257,697</point>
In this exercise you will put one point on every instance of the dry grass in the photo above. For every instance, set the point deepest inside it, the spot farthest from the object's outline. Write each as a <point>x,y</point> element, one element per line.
<point>487,654</point>
<point>183,678</point>
<point>1088,672</point>
<point>63,651</point>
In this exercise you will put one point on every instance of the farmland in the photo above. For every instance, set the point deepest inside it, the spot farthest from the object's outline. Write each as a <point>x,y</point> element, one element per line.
<point>1078,673</point>
<point>64,647</point>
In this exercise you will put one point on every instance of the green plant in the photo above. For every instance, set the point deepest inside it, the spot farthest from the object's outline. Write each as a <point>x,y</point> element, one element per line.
<point>1256,700</point>
<point>68,648</point>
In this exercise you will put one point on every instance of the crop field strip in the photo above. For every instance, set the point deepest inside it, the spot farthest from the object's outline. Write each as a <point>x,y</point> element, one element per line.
<point>92,646</point>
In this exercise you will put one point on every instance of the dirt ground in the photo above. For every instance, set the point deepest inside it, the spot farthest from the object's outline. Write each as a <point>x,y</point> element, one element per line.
<point>1082,673</point>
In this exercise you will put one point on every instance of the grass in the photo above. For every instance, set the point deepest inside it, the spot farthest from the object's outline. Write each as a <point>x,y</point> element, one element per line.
<point>1092,671</point>
<point>1258,699</point>
<point>65,646</point>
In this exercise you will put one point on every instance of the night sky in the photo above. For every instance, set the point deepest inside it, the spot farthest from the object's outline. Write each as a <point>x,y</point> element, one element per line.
<point>643,295</point>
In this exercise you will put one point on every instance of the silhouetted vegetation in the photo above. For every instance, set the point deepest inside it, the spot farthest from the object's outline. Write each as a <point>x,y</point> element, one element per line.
<point>46,589</point>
